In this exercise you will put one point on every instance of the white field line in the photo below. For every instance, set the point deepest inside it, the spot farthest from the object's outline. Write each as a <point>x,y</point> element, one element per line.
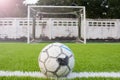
<point>70,76</point>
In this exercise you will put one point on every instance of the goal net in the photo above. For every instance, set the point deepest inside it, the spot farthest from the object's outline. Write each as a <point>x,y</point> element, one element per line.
<point>56,23</point>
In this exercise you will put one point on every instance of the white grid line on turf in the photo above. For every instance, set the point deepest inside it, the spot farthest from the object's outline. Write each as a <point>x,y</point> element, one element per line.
<point>70,76</point>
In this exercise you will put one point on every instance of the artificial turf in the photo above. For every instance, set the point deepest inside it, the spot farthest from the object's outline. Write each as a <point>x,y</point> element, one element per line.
<point>92,57</point>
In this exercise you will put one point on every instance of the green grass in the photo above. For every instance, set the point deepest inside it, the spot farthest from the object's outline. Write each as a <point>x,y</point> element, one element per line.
<point>31,78</point>
<point>20,56</point>
<point>93,57</point>
<point>96,57</point>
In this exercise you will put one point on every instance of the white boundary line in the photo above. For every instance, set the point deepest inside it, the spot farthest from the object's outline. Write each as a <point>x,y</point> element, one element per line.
<point>21,74</point>
<point>70,76</point>
<point>94,74</point>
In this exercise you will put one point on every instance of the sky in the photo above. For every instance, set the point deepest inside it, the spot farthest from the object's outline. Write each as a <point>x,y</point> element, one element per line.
<point>30,1</point>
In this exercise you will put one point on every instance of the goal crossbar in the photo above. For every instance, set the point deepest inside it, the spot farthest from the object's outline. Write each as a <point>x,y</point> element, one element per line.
<point>37,6</point>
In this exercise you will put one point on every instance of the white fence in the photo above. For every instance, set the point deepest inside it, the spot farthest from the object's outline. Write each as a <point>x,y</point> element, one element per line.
<point>103,29</point>
<point>50,28</point>
<point>15,28</point>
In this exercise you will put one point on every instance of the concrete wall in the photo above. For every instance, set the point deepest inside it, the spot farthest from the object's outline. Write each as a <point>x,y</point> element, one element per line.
<point>14,28</point>
<point>103,29</point>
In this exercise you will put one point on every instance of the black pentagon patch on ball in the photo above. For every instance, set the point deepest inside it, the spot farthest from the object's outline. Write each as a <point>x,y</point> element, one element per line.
<point>63,61</point>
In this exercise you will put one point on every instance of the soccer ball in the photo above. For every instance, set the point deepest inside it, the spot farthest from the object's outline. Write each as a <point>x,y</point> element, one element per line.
<point>56,60</point>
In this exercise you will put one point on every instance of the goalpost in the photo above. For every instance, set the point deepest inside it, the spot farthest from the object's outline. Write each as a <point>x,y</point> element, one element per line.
<point>36,13</point>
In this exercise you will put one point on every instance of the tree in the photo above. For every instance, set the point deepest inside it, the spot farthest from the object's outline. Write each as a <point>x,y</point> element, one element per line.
<point>114,11</point>
<point>94,8</point>
<point>54,2</point>
<point>101,8</point>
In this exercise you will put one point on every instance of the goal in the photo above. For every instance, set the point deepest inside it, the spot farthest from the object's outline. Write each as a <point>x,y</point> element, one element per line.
<point>56,22</point>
